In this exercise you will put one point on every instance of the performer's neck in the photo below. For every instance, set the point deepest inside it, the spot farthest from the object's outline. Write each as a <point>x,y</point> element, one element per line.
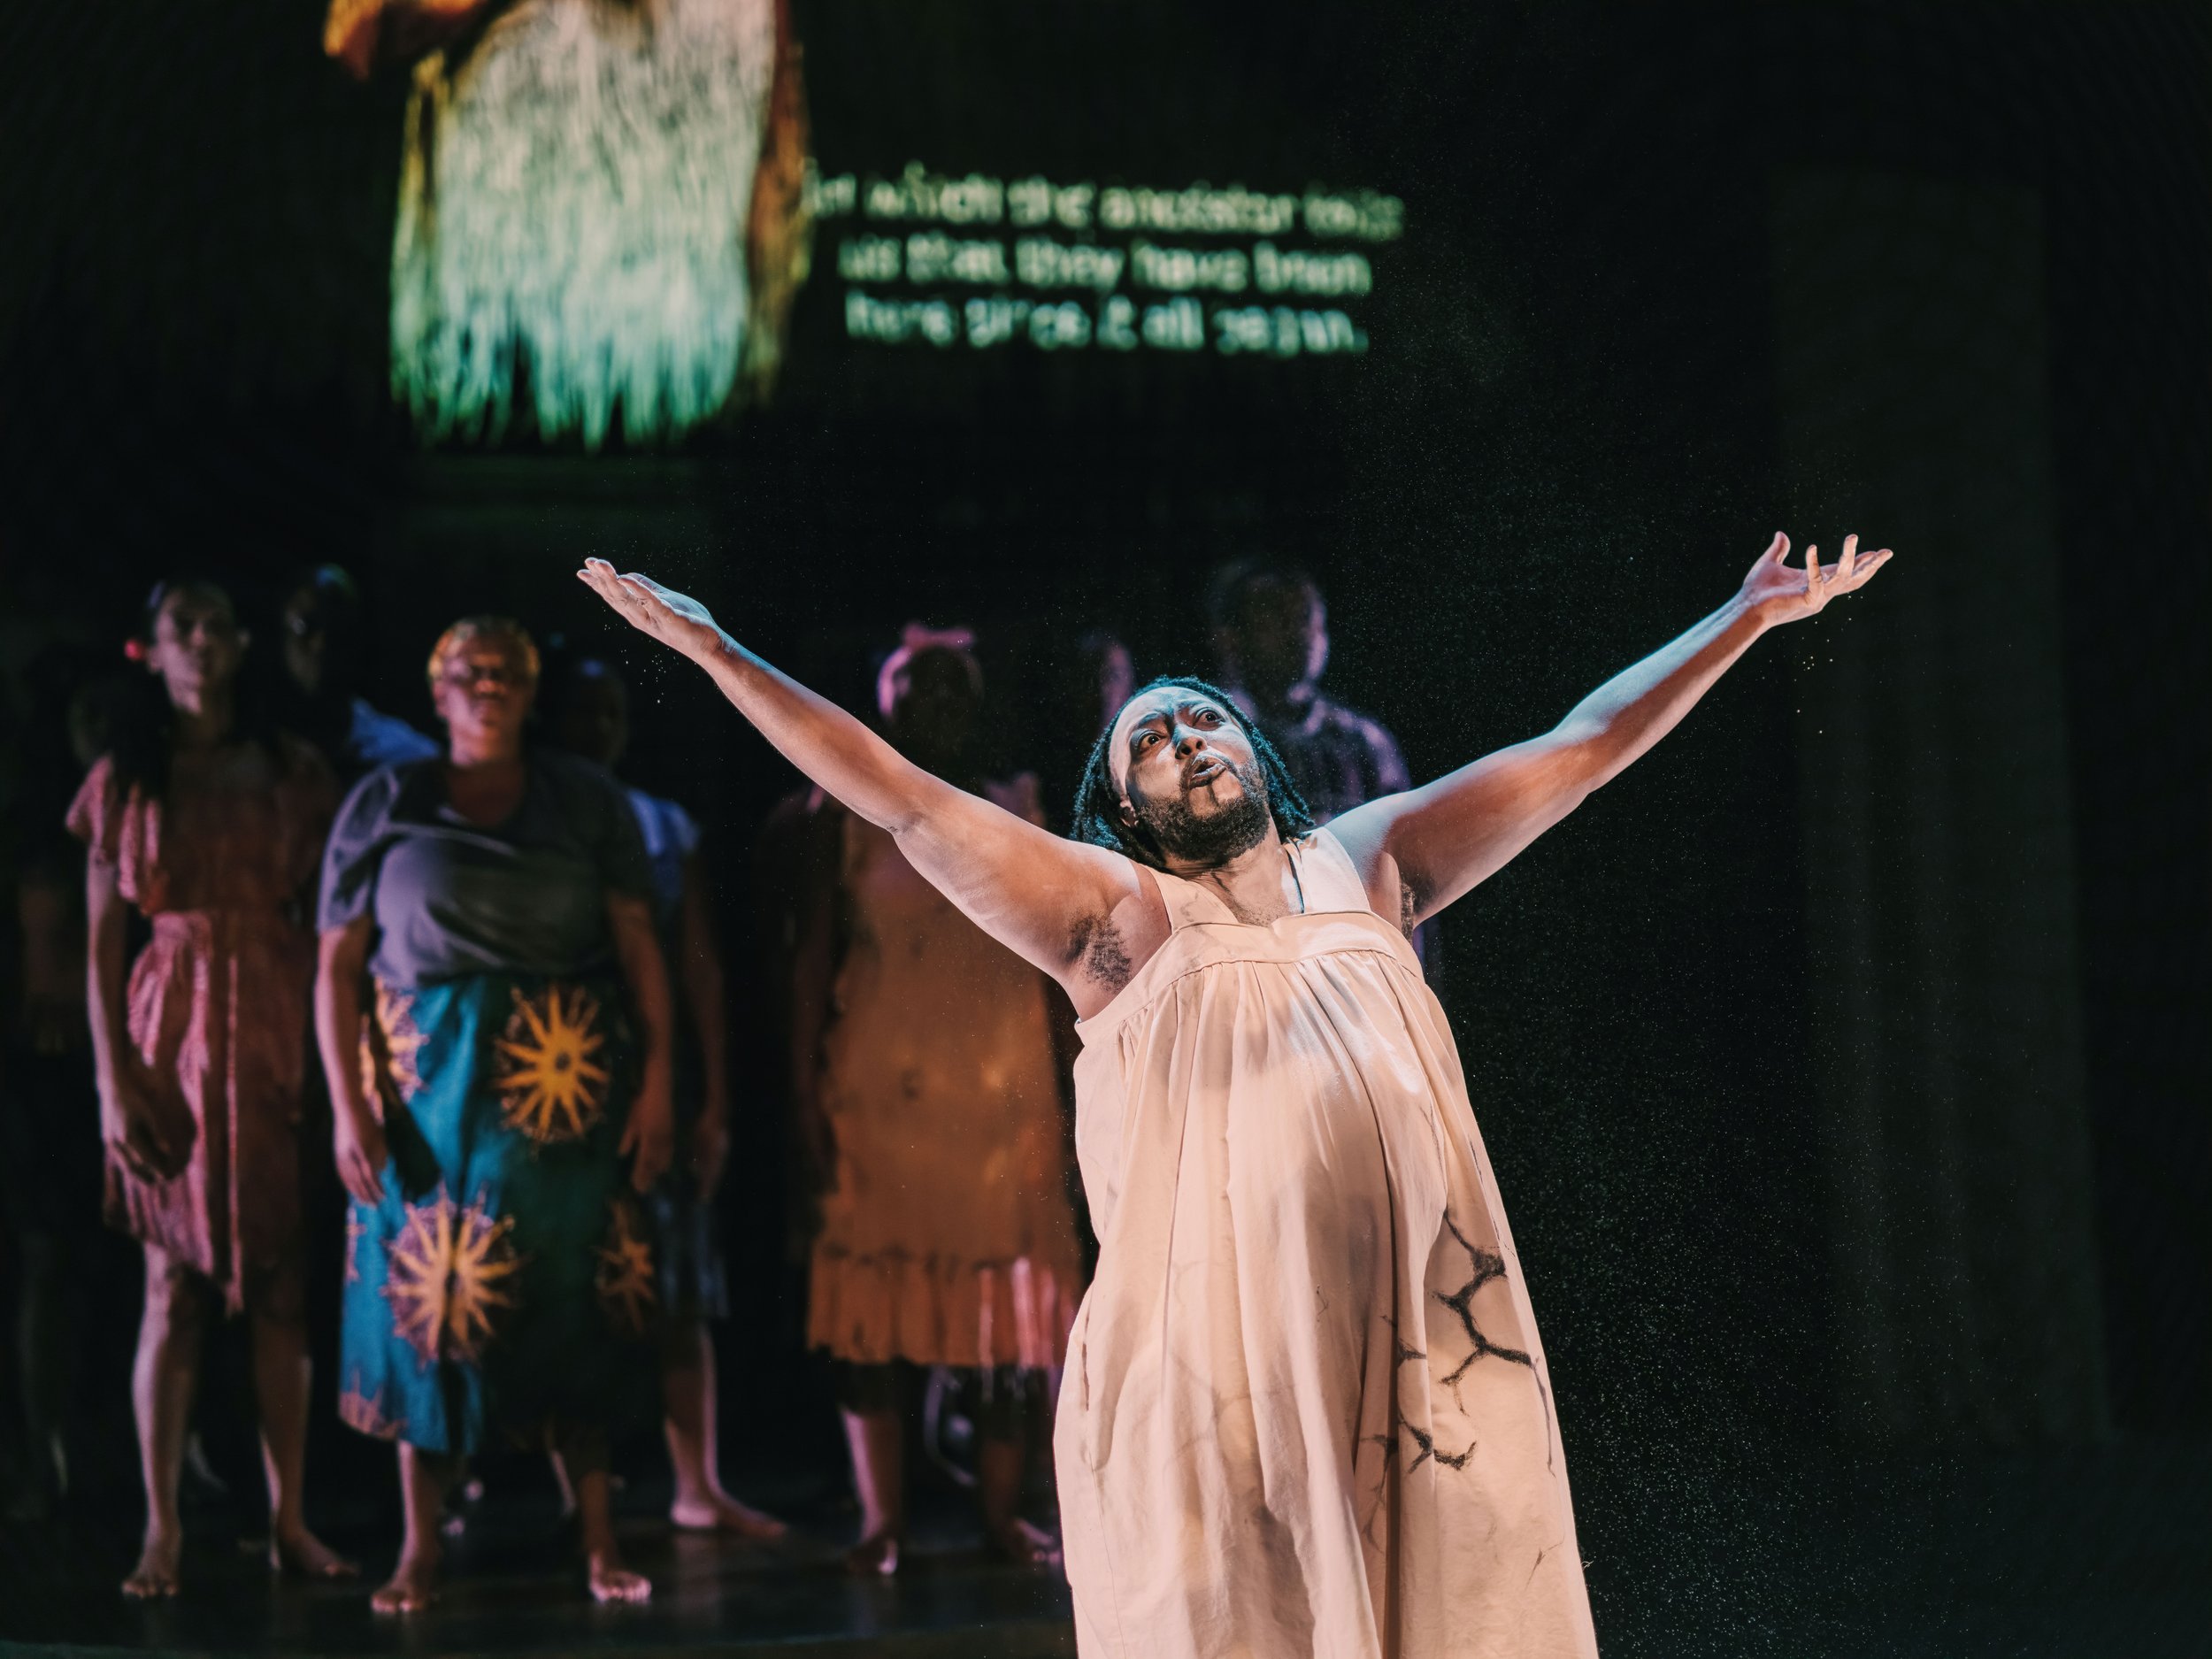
<point>1259,884</point>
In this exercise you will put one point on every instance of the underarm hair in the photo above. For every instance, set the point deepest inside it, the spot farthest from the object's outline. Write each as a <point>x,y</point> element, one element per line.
<point>1097,947</point>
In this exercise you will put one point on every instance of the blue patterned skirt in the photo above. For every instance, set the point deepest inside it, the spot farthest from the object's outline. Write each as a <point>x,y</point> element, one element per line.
<point>507,1280</point>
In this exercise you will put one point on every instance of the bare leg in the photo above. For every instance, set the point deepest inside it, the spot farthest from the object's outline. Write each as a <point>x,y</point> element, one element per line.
<point>878,1444</point>
<point>413,1585</point>
<point>999,1484</point>
<point>162,1376</point>
<point>688,1386</point>
<point>561,1481</point>
<point>281,1372</point>
<point>585,1454</point>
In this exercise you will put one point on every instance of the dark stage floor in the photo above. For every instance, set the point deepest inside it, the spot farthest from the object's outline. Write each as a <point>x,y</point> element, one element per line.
<point>515,1586</point>
<point>2092,1555</point>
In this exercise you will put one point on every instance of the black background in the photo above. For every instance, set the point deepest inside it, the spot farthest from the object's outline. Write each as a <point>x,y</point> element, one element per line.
<point>1560,450</point>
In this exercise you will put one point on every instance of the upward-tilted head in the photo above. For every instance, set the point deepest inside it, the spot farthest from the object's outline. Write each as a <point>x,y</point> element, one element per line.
<point>1180,776</point>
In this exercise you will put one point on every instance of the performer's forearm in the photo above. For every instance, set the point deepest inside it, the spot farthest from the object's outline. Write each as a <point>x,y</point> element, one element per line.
<point>103,974</point>
<point>1630,712</point>
<point>645,973</point>
<point>344,956</point>
<point>833,749</point>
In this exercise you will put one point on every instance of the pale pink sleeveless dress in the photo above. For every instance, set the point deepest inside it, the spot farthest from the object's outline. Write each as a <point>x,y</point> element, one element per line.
<point>1305,1409</point>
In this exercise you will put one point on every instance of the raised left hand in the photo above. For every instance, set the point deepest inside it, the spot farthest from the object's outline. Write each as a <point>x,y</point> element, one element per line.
<point>1781,594</point>
<point>649,1139</point>
<point>675,619</point>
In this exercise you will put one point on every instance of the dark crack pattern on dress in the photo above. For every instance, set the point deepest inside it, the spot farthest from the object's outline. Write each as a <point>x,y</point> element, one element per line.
<point>1427,1443</point>
<point>1401,1349</point>
<point>1487,1266</point>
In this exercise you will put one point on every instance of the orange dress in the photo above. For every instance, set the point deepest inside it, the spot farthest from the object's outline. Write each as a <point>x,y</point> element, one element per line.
<point>949,1237</point>
<point>217,1000</point>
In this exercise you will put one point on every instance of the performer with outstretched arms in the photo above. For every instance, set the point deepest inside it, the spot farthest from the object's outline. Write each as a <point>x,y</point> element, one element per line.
<point>1305,1409</point>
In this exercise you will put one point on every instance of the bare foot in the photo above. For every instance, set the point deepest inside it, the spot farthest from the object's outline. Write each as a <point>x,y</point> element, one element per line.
<point>412,1586</point>
<point>876,1555</point>
<point>299,1552</point>
<point>722,1513</point>
<point>1024,1545</point>
<point>611,1581</point>
<point>156,1574</point>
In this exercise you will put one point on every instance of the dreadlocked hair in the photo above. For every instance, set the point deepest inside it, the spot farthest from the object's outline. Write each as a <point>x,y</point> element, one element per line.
<point>1098,820</point>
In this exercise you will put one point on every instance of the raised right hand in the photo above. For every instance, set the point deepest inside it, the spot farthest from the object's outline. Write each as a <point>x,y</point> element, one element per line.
<point>673,618</point>
<point>357,1141</point>
<point>153,1143</point>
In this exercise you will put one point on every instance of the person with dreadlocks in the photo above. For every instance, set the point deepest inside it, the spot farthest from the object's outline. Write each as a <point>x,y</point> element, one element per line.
<point>1305,1409</point>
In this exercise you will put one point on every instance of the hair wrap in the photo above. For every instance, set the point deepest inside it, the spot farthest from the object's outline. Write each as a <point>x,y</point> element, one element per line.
<point>913,641</point>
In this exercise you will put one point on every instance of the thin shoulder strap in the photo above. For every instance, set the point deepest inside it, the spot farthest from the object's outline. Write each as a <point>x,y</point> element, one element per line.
<point>1332,881</point>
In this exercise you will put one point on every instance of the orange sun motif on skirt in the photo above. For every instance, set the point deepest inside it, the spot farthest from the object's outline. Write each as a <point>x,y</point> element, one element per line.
<point>389,1045</point>
<point>443,1276</point>
<point>551,1087</point>
<point>625,1279</point>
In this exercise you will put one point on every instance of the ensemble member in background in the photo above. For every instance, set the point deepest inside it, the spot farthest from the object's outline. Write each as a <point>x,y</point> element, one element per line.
<point>588,714</point>
<point>923,1068</point>
<point>50,1124</point>
<point>326,651</point>
<point>1309,1412</point>
<point>209,821</point>
<point>1270,639</point>
<point>1086,680</point>
<point>493,1010</point>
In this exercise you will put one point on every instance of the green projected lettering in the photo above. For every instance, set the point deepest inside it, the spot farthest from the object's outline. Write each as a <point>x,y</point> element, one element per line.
<point>982,262</point>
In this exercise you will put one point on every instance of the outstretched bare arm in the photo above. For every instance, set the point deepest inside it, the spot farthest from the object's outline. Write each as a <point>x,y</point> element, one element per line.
<point>1421,850</point>
<point>1047,899</point>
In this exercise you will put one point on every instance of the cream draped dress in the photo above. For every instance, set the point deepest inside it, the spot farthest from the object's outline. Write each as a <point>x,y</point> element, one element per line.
<point>1305,1410</point>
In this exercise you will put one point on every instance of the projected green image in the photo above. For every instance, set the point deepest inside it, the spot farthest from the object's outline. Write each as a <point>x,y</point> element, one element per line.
<point>607,209</point>
<point>602,224</point>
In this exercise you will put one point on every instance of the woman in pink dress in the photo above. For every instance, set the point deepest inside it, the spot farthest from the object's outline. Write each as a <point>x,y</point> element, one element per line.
<point>210,823</point>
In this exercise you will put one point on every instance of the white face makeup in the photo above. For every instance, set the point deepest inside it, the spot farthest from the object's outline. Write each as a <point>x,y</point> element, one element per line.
<point>1154,727</point>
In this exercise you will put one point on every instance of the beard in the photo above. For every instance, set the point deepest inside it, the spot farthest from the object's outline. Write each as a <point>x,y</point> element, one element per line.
<point>1236,826</point>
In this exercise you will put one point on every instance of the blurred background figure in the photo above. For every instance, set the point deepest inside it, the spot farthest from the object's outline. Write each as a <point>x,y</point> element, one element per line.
<point>49,1121</point>
<point>928,1101</point>
<point>325,654</point>
<point>209,821</point>
<point>489,913</point>
<point>588,711</point>
<point>1270,643</point>
<point>1087,681</point>
<point>1271,639</point>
